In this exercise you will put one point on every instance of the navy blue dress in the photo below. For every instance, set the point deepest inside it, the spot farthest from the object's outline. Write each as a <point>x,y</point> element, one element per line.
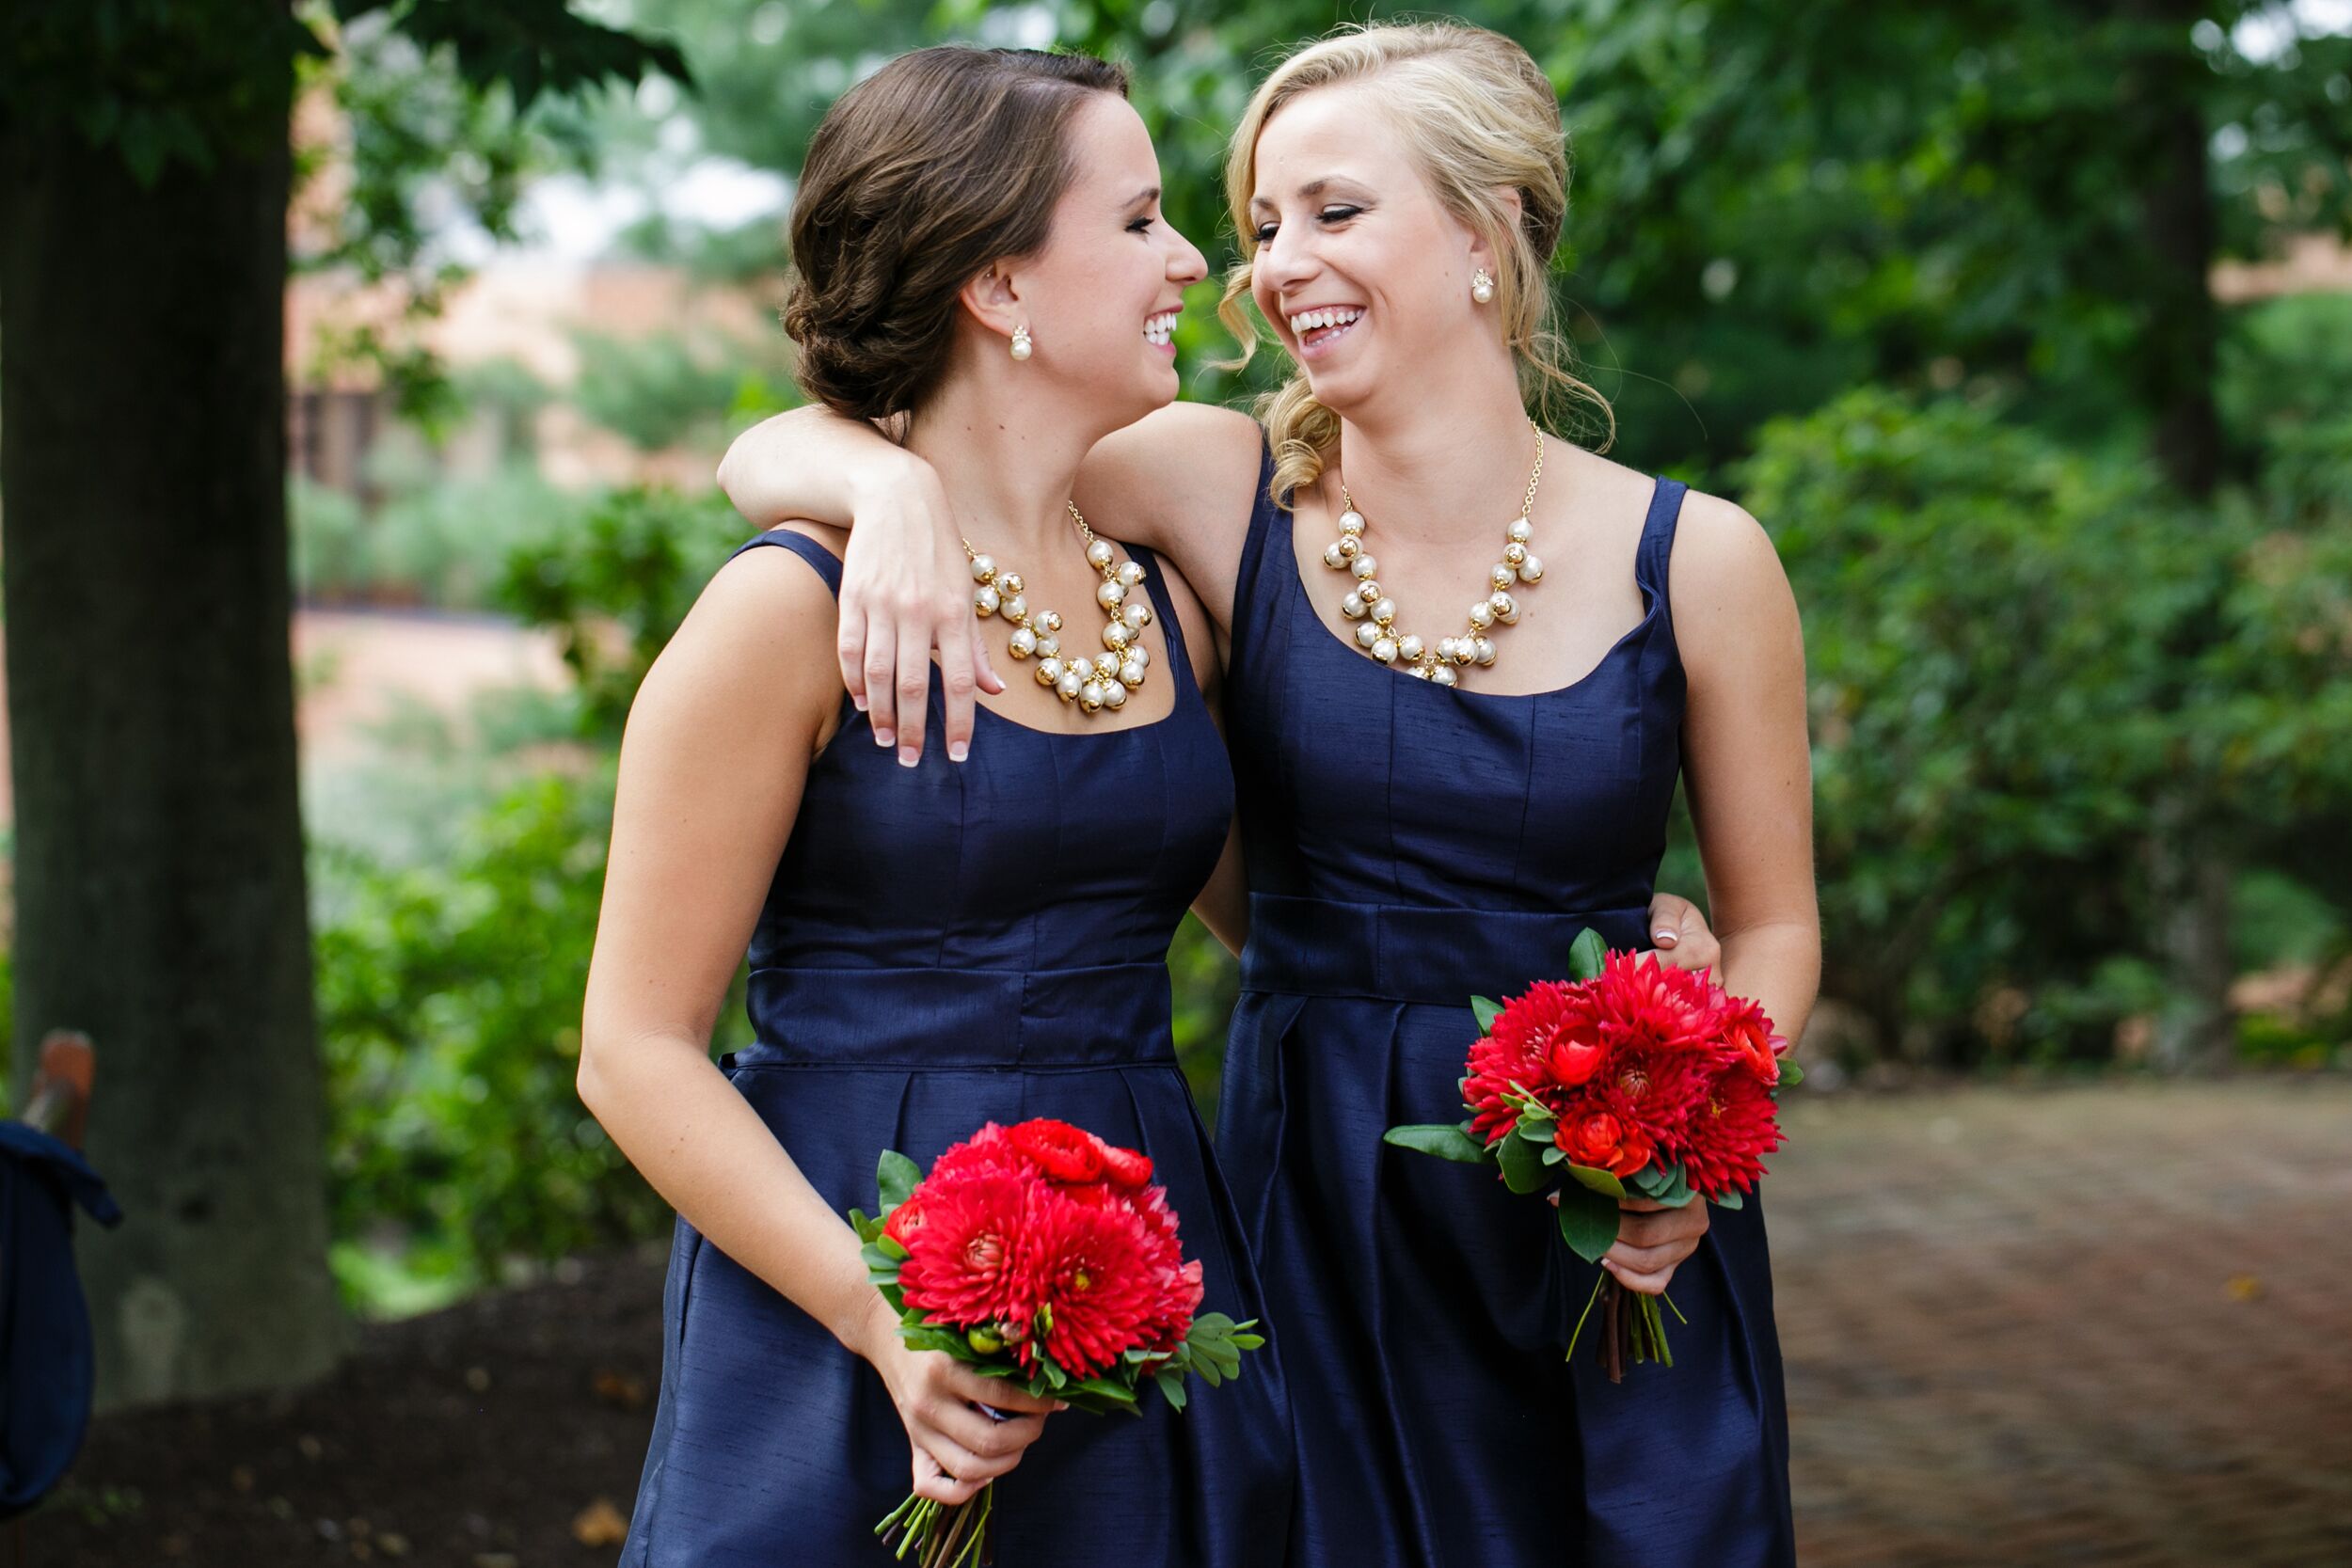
<point>1410,846</point>
<point>943,947</point>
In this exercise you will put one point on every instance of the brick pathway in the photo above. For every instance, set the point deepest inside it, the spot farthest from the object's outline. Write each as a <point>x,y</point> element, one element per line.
<point>2104,1325</point>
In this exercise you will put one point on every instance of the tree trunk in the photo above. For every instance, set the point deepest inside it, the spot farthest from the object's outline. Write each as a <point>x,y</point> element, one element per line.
<point>2177,361</point>
<point>159,871</point>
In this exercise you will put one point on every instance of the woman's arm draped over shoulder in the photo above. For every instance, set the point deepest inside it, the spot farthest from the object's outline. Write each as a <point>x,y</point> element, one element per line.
<point>1179,481</point>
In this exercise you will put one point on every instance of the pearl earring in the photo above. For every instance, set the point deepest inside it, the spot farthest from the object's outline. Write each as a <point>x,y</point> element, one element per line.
<point>1021,343</point>
<point>1481,286</point>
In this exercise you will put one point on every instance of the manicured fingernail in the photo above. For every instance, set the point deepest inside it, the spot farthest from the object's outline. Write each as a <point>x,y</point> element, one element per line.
<point>886,738</point>
<point>1663,937</point>
<point>909,756</point>
<point>860,702</point>
<point>958,751</point>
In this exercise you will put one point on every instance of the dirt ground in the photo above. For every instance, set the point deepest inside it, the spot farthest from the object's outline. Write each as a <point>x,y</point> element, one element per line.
<point>2099,1325</point>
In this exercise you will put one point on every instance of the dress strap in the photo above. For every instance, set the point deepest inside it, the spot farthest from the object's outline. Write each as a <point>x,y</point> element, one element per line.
<point>827,565</point>
<point>1171,629</point>
<point>1254,591</point>
<point>1658,542</point>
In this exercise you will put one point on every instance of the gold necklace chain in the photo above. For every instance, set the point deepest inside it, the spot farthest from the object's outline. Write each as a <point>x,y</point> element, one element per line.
<point>1375,611</point>
<point>1093,683</point>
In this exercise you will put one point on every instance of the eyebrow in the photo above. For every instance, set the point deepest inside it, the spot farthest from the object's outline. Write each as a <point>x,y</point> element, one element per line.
<point>1145,197</point>
<point>1308,191</point>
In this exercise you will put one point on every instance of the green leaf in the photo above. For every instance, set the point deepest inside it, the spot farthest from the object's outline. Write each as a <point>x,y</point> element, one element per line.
<point>1171,1388</point>
<point>1790,1073</point>
<point>1588,1222</point>
<point>1486,1011</point>
<point>1553,1154</point>
<point>1587,955</point>
<point>1446,1143</point>
<point>1523,1167</point>
<point>927,1336</point>
<point>1104,1388</point>
<point>1599,1180</point>
<point>897,1175</point>
<point>1731,1200</point>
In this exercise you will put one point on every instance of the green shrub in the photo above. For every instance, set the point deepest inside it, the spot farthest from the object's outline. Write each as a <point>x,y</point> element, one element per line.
<point>2014,652</point>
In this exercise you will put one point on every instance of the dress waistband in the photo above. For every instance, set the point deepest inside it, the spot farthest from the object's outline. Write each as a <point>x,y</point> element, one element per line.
<point>1416,953</point>
<point>1114,1015</point>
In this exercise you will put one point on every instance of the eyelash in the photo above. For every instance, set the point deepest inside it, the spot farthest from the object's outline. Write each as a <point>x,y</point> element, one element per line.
<point>1141,225</point>
<point>1328,215</point>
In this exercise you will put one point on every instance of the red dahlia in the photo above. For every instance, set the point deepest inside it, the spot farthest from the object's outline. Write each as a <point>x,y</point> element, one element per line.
<point>963,1263</point>
<point>1729,1134</point>
<point>1089,1278</point>
<point>1644,1001</point>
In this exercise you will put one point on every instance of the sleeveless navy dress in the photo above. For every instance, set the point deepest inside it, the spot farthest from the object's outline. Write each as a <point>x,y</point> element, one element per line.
<point>1410,846</point>
<point>943,947</point>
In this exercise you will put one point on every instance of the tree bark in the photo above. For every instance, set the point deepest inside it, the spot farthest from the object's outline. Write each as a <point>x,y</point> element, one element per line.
<point>159,858</point>
<point>2177,362</point>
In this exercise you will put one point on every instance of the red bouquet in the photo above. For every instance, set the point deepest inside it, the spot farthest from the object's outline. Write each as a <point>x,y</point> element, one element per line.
<point>1044,1256</point>
<point>1635,1079</point>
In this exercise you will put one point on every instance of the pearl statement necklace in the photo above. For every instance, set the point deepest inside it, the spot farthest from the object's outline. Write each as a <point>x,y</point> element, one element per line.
<point>1375,611</point>
<point>1093,684</point>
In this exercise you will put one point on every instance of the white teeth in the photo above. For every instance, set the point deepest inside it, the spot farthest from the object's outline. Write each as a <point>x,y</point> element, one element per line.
<point>1310,320</point>
<point>1162,327</point>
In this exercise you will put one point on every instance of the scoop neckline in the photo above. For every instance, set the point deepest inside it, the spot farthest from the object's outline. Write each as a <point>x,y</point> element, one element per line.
<point>1305,605</point>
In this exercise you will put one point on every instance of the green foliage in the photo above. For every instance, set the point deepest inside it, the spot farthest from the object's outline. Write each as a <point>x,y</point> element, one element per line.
<point>2016,651</point>
<point>444,542</point>
<point>616,587</point>
<point>450,985</point>
<point>1204,979</point>
<point>188,81</point>
<point>449,1004</point>
<point>665,392</point>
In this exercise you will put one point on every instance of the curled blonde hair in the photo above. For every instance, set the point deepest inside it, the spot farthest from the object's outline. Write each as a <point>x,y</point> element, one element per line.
<point>1480,118</point>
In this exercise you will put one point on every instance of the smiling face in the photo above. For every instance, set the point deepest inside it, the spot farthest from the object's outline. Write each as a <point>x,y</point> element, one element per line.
<point>1363,274</point>
<point>1102,296</point>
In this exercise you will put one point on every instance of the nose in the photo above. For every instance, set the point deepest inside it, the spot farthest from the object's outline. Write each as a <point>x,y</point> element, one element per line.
<point>1185,264</point>
<point>1282,263</point>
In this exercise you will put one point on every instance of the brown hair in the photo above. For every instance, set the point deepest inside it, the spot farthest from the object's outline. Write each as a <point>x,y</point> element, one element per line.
<point>940,162</point>
<point>1479,115</point>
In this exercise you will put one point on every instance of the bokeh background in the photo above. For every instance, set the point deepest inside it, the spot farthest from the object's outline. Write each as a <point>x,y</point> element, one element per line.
<point>2024,325</point>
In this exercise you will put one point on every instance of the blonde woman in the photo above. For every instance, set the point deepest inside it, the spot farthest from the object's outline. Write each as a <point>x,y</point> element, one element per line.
<point>1467,663</point>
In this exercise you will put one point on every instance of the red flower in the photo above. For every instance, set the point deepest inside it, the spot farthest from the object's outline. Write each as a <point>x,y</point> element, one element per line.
<point>1600,1140</point>
<point>904,1221</point>
<point>1729,1134</point>
<point>1089,1277</point>
<point>1126,1168</point>
<point>1652,1087</point>
<point>1749,1036</point>
<point>1064,1152</point>
<point>1547,1039</point>
<point>1646,1003</point>
<point>991,1148</point>
<point>965,1263</point>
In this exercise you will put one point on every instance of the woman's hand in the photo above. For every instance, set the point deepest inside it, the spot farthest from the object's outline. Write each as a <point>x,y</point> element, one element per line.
<point>1679,932</point>
<point>906,588</point>
<point>1652,1241</point>
<point>957,1449</point>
